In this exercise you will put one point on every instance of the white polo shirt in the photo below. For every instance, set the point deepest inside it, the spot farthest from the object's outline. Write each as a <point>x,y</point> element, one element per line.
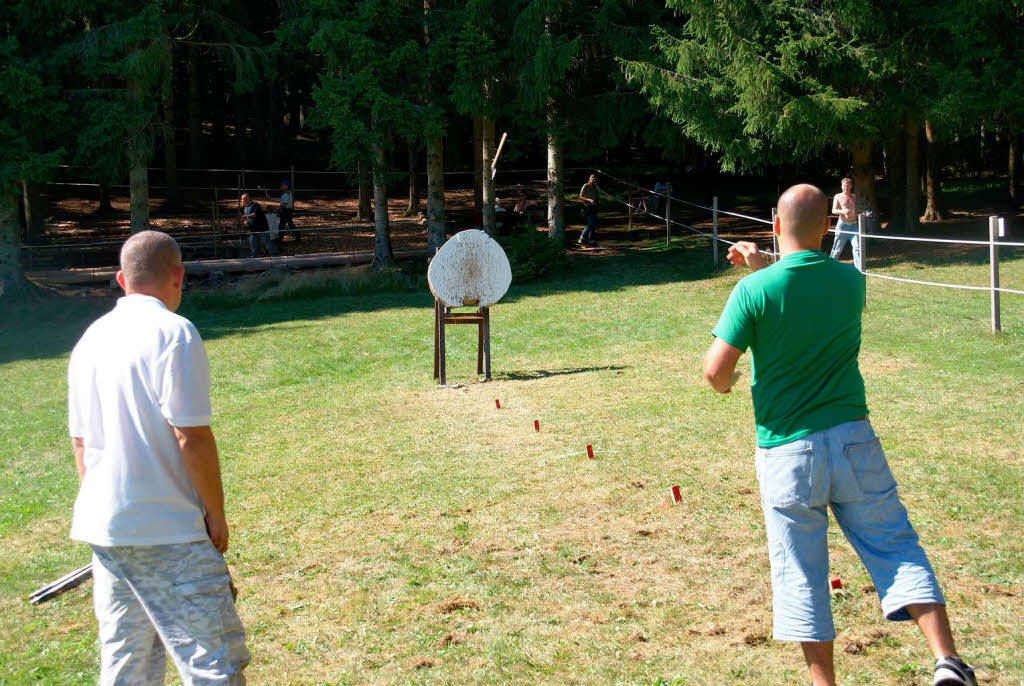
<point>138,371</point>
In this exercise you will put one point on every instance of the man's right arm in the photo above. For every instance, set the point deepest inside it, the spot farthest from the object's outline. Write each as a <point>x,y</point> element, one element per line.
<point>199,455</point>
<point>78,448</point>
<point>836,209</point>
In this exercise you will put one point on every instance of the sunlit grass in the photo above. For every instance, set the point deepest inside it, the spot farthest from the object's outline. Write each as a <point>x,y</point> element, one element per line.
<point>388,531</point>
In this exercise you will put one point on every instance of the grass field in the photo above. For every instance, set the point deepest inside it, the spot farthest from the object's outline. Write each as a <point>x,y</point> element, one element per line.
<point>389,531</point>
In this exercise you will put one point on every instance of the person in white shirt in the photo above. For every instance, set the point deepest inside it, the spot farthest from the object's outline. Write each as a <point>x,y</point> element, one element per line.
<point>150,501</point>
<point>286,210</point>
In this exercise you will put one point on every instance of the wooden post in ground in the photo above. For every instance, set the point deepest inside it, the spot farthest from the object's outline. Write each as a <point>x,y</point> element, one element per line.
<point>291,187</point>
<point>714,231</point>
<point>629,204</point>
<point>993,256</point>
<point>668,218</point>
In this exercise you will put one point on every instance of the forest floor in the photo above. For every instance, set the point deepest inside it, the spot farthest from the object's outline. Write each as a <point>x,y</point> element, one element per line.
<point>389,531</point>
<point>328,222</point>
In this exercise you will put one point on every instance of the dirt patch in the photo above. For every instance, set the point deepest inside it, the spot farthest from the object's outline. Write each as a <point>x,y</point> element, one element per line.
<point>450,639</point>
<point>456,604</point>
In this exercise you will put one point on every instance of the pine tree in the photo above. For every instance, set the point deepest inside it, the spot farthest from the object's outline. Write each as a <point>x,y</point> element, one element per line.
<point>365,97</point>
<point>33,122</point>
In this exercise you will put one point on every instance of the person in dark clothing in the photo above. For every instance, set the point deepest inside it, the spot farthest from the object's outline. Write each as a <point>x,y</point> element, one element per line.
<point>256,221</point>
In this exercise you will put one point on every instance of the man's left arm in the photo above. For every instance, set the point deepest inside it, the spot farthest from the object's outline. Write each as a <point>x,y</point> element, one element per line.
<point>734,331</point>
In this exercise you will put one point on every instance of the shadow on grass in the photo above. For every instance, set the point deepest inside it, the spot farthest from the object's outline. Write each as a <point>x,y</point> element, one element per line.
<point>50,326</point>
<point>533,374</point>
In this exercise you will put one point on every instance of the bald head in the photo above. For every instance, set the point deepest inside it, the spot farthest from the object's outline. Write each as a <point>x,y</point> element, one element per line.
<point>149,260</point>
<point>803,213</point>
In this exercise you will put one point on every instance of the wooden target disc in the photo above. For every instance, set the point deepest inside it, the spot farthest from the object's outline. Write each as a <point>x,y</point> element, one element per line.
<point>470,267</point>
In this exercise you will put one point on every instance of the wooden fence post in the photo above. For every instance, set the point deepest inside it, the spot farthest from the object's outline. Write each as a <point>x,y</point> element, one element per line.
<point>714,231</point>
<point>629,204</point>
<point>993,255</point>
<point>668,215</point>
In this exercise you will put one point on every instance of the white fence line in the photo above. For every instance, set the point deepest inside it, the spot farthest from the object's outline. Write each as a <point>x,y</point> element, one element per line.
<point>996,228</point>
<point>965,241</point>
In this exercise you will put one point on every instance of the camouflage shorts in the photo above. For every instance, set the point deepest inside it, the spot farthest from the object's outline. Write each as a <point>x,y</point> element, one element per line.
<point>175,597</point>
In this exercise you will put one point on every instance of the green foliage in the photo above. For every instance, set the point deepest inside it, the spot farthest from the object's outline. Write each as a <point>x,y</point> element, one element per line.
<point>533,254</point>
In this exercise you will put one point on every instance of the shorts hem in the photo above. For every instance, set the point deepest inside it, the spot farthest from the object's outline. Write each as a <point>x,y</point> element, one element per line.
<point>793,638</point>
<point>899,612</point>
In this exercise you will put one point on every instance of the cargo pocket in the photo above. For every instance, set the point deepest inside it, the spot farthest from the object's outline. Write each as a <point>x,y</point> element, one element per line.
<point>870,468</point>
<point>206,605</point>
<point>785,475</point>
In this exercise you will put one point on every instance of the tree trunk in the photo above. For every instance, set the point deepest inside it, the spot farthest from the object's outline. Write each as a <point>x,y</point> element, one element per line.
<point>1012,166</point>
<point>105,205</point>
<point>382,254</point>
<point>363,210</point>
<point>35,210</point>
<point>556,199</point>
<point>478,189</point>
<point>138,181</point>
<point>487,185</point>
<point>294,105</point>
<point>896,157</point>
<point>170,138</point>
<point>219,115</point>
<point>864,176</point>
<point>195,109</point>
<point>435,194</point>
<point>932,211</point>
<point>913,193</point>
<point>275,123</point>
<point>258,106</point>
<point>414,191</point>
<point>12,278</point>
<point>241,125</point>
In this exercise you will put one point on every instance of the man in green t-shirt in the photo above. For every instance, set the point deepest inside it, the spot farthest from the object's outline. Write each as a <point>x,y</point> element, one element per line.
<point>801,320</point>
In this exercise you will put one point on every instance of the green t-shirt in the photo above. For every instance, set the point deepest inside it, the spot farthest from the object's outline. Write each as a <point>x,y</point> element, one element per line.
<point>800,317</point>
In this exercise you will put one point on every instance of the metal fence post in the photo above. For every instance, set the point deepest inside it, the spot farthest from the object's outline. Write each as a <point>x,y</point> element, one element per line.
<point>714,230</point>
<point>993,255</point>
<point>862,241</point>
<point>863,266</point>
<point>668,215</point>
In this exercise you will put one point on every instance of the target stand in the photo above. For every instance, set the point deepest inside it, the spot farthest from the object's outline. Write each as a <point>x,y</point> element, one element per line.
<point>443,316</point>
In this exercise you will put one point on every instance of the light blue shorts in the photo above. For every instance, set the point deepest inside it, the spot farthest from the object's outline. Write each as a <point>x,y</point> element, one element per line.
<point>842,467</point>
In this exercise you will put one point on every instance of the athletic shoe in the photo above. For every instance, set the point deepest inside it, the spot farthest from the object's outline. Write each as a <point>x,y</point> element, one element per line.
<point>952,671</point>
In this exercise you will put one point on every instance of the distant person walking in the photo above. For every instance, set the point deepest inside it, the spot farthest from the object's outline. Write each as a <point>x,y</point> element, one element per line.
<point>286,211</point>
<point>259,231</point>
<point>844,206</point>
<point>816,449</point>
<point>589,195</point>
<point>150,502</point>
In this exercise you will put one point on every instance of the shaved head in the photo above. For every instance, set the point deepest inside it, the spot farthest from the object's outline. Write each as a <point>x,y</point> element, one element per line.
<point>802,213</point>
<point>149,259</point>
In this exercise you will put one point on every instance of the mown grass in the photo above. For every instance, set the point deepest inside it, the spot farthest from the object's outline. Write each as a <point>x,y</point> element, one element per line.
<point>389,531</point>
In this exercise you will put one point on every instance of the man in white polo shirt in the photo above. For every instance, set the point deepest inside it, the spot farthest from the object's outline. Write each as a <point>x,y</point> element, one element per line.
<point>150,502</point>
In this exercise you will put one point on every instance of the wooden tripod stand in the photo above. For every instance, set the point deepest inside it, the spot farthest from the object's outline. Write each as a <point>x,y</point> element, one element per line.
<point>482,318</point>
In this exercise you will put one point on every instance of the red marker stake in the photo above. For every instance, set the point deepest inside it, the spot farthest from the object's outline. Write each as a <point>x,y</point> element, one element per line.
<point>497,403</point>
<point>536,425</point>
<point>590,452</point>
<point>836,584</point>
<point>676,495</point>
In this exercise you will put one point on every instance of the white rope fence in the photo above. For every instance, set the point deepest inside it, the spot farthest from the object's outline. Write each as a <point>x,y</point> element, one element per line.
<point>997,229</point>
